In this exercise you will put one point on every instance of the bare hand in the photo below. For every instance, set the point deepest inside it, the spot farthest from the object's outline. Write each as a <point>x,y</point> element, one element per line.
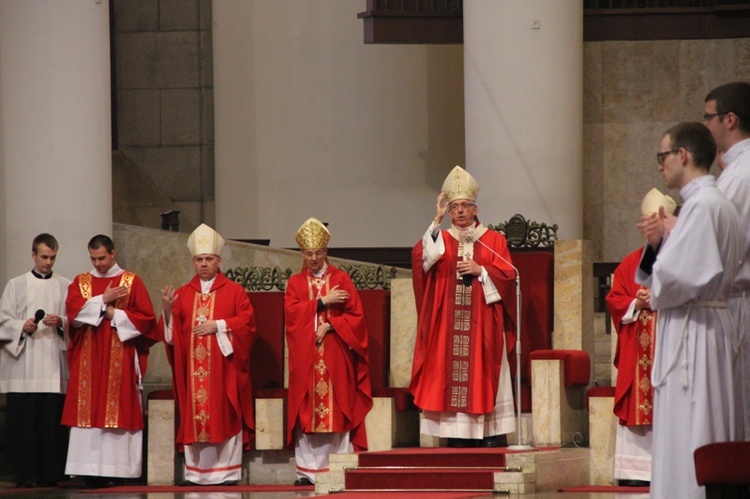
<point>52,320</point>
<point>30,327</point>
<point>320,334</point>
<point>168,297</point>
<point>642,299</point>
<point>335,296</point>
<point>111,295</point>
<point>441,207</point>
<point>468,267</point>
<point>208,327</point>
<point>652,227</point>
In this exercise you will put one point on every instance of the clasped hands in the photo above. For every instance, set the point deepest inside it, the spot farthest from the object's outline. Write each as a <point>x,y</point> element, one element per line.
<point>654,226</point>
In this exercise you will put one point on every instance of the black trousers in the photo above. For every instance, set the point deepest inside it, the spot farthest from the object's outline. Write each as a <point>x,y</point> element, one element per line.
<point>36,444</point>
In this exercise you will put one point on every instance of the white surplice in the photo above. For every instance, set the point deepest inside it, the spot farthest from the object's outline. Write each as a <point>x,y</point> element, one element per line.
<point>36,363</point>
<point>734,182</point>
<point>693,372</point>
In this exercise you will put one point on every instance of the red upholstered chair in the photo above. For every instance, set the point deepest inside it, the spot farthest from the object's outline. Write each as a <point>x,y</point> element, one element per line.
<point>724,469</point>
<point>537,270</point>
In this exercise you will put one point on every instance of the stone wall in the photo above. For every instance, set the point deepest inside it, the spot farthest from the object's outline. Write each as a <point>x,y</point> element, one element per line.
<point>163,86</point>
<point>633,92</point>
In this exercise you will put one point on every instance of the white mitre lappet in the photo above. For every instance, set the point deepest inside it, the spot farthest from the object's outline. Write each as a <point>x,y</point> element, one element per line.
<point>205,241</point>
<point>459,184</point>
<point>654,199</point>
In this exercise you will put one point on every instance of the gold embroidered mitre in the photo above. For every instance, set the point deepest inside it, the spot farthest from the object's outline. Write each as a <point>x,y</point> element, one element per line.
<point>205,240</point>
<point>654,200</point>
<point>459,184</point>
<point>312,235</point>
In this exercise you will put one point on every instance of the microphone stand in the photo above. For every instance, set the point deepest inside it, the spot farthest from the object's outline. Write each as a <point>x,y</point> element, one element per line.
<point>519,445</point>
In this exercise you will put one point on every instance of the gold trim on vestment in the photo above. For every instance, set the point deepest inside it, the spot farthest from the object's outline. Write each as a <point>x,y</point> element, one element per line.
<point>199,374</point>
<point>322,387</point>
<point>114,375</point>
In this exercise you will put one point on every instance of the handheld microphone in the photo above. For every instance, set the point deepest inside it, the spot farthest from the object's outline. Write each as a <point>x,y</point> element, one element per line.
<point>38,315</point>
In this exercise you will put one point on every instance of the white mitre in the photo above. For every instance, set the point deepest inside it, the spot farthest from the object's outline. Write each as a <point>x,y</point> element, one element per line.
<point>654,200</point>
<point>205,240</point>
<point>459,184</point>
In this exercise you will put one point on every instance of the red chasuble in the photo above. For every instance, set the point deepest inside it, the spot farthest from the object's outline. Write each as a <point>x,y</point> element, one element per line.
<point>102,390</point>
<point>329,385</point>
<point>458,350</point>
<point>634,395</point>
<point>213,392</point>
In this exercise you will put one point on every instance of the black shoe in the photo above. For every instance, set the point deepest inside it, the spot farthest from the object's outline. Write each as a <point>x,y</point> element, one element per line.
<point>494,441</point>
<point>46,484</point>
<point>303,482</point>
<point>634,483</point>
<point>230,482</point>
<point>24,485</point>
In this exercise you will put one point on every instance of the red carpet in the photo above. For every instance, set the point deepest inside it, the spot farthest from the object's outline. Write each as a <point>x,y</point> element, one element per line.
<point>607,488</point>
<point>154,489</point>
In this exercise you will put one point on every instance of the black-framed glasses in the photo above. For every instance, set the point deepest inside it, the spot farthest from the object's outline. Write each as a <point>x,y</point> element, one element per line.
<point>710,116</point>
<point>463,206</point>
<point>661,156</point>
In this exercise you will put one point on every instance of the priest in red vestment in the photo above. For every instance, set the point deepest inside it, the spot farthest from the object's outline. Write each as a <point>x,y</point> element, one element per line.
<point>464,286</point>
<point>629,305</point>
<point>329,378</point>
<point>208,326</point>
<point>112,328</point>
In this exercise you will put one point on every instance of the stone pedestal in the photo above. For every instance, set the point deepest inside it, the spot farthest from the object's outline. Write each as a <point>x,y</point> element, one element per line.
<point>162,457</point>
<point>574,297</point>
<point>602,430</point>
<point>403,331</point>
<point>270,423</point>
<point>558,411</point>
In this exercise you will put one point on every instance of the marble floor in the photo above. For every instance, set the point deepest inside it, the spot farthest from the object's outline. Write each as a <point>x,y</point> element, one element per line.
<point>7,490</point>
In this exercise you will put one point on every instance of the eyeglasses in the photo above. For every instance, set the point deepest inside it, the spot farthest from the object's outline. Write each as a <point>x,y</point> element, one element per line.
<point>710,116</point>
<point>310,253</point>
<point>463,206</point>
<point>661,156</point>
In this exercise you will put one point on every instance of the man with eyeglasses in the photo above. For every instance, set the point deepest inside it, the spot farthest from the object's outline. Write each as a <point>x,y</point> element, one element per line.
<point>329,376</point>
<point>689,268</point>
<point>463,283</point>
<point>728,117</point>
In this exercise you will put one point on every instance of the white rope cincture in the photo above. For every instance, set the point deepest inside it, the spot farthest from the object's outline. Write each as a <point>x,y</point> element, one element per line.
<point>682,347</point>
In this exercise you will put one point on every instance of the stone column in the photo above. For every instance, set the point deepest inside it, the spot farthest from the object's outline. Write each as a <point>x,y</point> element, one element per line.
<point>55,129</point>
<point>523,88</point>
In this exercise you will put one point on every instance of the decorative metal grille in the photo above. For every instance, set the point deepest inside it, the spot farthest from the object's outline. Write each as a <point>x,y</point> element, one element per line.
<point>521,233</point>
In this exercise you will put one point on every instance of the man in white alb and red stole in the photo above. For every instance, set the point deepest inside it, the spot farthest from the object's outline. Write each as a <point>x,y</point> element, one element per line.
<point>208,326</point>
<point>112,328</point>
<point>630,306</point>
<point>464,286</point>
<point>329,378</point>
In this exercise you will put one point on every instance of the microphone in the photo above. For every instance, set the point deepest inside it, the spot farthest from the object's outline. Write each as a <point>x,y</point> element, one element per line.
<point>519,445</point>
<point>38,315</point>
